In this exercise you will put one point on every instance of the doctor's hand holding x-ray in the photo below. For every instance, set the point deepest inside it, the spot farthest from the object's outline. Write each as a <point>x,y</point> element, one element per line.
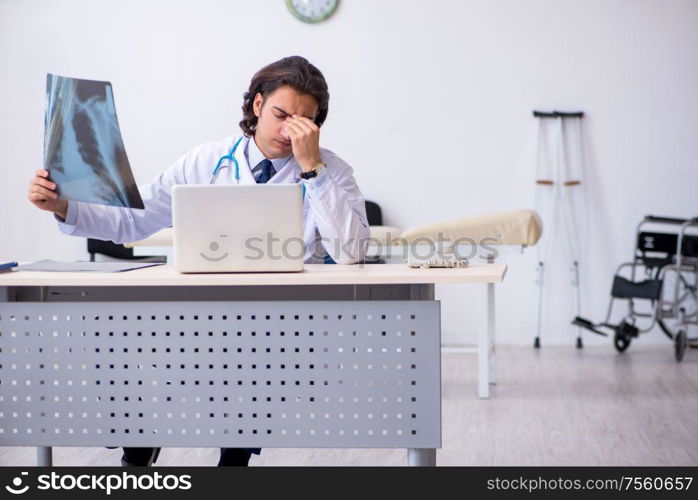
<point>43,195</point>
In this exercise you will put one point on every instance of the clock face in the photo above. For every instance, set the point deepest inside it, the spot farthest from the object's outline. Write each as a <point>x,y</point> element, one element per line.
<point>312,11</point>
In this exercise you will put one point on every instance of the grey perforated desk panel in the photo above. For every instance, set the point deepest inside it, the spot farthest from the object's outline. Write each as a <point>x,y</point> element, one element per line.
<point>347,357</point>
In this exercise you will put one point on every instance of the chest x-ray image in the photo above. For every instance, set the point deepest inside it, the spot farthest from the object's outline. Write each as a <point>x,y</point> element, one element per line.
<point>83,149</point>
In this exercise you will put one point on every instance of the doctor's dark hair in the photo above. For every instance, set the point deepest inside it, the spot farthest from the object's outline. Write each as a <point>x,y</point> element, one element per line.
<point>297,73</point>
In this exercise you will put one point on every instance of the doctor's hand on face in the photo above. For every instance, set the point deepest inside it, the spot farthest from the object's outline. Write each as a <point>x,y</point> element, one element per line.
<point>42,193</point>
<point>305,140</point>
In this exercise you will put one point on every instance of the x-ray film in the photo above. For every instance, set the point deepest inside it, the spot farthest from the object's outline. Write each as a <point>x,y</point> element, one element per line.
<point>83,149</point>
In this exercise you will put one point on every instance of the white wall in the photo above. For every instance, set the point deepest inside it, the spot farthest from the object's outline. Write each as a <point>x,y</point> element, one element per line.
<point>431,104</point>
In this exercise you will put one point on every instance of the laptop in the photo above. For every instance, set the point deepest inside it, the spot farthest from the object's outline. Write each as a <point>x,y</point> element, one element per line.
<point>227,229</point>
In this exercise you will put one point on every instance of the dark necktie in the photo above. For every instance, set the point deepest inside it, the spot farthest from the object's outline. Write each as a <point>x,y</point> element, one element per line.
<point>267,172</point>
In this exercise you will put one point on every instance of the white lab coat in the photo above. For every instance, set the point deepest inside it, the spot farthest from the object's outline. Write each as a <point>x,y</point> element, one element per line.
<point>334,210</point>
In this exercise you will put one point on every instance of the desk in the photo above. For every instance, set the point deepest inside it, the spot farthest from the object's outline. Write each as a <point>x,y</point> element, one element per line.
<point>521,230</point>
<point>336,356</point>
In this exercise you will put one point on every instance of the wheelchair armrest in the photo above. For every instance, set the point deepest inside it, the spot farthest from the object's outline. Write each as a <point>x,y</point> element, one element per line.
<point>631,265</point>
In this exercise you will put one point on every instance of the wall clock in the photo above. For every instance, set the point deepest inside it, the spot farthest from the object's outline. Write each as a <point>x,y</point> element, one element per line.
<point>312,11</point>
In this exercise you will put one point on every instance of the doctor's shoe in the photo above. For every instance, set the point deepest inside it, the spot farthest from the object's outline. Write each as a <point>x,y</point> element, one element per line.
<point>234,457</point>
<point>139,457</point>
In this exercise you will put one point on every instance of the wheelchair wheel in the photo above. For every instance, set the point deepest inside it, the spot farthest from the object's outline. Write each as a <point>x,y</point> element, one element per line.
<point>680,344</point>
<point>621,342</point>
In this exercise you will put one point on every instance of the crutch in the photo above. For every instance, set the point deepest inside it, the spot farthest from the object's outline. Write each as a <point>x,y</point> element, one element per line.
<point>564,174</point>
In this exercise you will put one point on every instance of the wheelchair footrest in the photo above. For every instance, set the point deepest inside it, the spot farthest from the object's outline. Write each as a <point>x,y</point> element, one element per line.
<point>627,330</point>
<point>587,325</point>
<point>626,289</point>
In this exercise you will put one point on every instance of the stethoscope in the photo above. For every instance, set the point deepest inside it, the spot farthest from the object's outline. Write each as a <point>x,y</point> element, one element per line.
<point>231,157</point>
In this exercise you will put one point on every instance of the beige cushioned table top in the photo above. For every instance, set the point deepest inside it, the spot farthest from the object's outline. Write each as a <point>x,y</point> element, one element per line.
<point>515,227</point>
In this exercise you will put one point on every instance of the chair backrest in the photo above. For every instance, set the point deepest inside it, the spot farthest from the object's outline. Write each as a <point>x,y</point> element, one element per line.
<point>108,248</point>
<point>118,251</point>
<point>374,214</point>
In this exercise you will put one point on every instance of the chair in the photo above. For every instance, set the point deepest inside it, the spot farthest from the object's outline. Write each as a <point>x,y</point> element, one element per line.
<point>117,251</point>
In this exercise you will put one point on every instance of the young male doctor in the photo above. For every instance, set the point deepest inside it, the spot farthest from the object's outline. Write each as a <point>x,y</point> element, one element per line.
<point>283,110</point>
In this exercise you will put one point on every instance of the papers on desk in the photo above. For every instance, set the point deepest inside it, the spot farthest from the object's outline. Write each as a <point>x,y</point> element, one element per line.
<point>72,267</point>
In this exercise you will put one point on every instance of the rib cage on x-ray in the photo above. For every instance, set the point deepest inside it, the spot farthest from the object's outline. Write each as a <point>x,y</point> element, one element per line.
<point>83,149</point>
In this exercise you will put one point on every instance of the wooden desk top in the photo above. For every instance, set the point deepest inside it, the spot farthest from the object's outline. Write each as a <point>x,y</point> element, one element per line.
<point>314,274</point>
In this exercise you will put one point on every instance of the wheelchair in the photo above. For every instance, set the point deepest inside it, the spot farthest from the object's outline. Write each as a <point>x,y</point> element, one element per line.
<point>662,275</point>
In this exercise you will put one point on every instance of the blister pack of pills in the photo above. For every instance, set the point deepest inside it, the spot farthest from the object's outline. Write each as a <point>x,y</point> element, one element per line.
<point>439,261</point>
